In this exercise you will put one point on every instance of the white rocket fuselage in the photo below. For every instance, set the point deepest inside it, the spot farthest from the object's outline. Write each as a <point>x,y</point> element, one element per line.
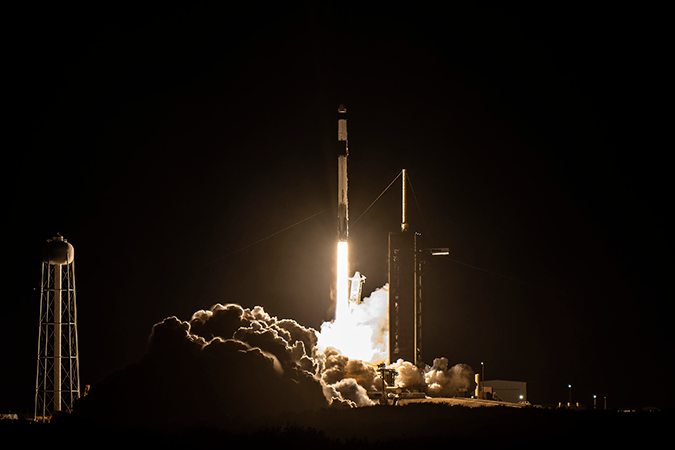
<point>343,153</point>
<point>342,282</point>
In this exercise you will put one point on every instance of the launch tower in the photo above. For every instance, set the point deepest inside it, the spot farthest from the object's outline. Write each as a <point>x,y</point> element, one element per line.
<point>57,384</point>
<point>407,264</point>
<point>405,295</point>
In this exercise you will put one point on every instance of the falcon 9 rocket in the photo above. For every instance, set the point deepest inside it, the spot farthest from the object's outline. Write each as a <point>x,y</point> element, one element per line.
<point>343,152</point>
<point>342,282</point>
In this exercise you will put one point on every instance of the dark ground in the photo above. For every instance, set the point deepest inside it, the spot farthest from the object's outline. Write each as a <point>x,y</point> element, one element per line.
<point>392,426</point>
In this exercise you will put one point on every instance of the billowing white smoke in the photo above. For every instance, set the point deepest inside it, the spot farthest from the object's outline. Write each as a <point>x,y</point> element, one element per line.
<point>408,376</point>
<point>292,348</point>
<point>361,332</point>
<point>345,379</point>
<point>444,381</point>
<point>342,357</point>
<point>231,361</point>
<point>439,380</point>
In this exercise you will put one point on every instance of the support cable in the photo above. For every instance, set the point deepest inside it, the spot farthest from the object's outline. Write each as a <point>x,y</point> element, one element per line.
<point>378,197</point>
<point>261,240</point>
<point>418,206</point>
<point>503,276</point>
<point>469,265</point>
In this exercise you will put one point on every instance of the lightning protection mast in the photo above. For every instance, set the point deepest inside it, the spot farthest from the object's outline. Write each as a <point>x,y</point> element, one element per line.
<point>57,384</point>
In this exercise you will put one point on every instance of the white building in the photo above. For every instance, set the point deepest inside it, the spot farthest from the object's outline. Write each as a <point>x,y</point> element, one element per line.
<point>508,391</point>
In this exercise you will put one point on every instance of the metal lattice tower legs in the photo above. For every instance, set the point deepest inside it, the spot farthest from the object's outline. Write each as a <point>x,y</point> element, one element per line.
<point>57,384</point>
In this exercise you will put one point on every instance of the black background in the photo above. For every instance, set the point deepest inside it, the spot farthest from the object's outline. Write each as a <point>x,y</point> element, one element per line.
<point>163,143</point>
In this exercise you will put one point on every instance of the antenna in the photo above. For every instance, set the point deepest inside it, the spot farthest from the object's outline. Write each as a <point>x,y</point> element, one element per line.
<point>404,225</point>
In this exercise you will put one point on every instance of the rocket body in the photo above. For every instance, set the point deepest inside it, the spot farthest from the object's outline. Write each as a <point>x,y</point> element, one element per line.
<point>342,310</point>
<point>343,153</point>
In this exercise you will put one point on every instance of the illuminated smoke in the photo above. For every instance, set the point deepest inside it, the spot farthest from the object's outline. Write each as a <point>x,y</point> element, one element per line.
<point>350,393</point>
<point>408,375</point>
<point>230,363</point>
<point>444,381</point>
<point>223,365</point>
<point>361,331</point>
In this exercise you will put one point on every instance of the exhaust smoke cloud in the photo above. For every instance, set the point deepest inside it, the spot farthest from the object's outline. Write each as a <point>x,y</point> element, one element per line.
<point>232,363</point>
<point>360,330</point>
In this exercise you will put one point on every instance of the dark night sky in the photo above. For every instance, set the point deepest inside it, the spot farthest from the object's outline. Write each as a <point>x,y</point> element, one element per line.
<point>160,142</point>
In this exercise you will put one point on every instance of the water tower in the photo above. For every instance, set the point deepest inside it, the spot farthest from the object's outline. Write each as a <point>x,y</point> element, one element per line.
<point>57,384</point>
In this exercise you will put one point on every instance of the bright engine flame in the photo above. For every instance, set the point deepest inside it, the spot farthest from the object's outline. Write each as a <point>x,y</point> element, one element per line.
<point>342,282</point>
<point>359,331</point>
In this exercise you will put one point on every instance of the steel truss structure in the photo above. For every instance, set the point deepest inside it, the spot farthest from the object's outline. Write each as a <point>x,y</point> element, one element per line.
<point>57,384</point>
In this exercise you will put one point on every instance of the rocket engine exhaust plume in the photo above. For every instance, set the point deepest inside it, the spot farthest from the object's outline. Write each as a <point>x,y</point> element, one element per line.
<point>342,281</point>
<point>361,331</point>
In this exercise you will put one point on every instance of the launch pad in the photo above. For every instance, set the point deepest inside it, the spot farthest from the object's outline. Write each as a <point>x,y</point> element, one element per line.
<point>406,265</point>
